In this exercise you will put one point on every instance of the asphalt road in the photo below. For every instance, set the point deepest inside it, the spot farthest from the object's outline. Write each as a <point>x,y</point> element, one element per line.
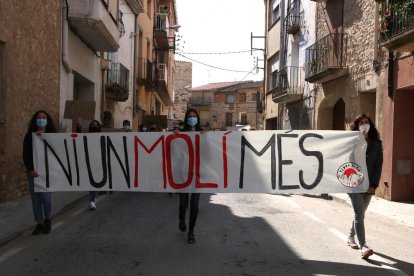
<point>237,234</point>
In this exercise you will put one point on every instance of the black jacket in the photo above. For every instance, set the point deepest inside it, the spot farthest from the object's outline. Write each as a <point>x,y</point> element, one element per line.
<point>374,162</point>
<point>28,152</point>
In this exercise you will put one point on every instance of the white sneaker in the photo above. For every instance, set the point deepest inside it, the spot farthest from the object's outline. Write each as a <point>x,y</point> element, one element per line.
<point>92,206</point>
<point>366,252</point>
<point>351,243</point>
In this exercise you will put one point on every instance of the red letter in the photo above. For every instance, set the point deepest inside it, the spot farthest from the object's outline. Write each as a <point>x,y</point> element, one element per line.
<point>187,139</point>
<point>225,170</point>
<point>198,183</point>
<point>136,141</point>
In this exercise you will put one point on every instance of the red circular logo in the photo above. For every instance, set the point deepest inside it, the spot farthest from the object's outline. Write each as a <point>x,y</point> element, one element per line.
<point>350,175</point>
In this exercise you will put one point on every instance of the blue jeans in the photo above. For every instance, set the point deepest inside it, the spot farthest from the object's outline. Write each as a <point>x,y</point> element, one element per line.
<point>92,196</point>
<point>360,204</point>
<point>41,202</point>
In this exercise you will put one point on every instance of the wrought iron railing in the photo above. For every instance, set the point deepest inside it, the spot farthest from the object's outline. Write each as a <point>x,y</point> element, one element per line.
<point>397,18</point>
<point>117,82</point>
<point>144,70</point>
<point>161,72</point>
<point>290,80</point>
<point>329,52</point>
<point>294,17</point>
<point>161,22</point>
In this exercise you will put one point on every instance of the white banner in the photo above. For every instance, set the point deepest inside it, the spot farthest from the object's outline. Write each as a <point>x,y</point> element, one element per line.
<point>311,162</point>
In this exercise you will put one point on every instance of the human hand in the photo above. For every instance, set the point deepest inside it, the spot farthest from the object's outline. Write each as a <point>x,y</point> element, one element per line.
<point>33,173</point>
<point>371,190</point>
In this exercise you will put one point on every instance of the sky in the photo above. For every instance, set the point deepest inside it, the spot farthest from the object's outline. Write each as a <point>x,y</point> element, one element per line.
<point>220,26</point>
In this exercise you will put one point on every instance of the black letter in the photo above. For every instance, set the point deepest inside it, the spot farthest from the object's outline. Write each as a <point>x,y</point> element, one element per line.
<point>88,165</point>
<point>125,169</point>
<point>284,162</point>
<point>318,156</point>
<point>68,172</point>
<point>270,144</point>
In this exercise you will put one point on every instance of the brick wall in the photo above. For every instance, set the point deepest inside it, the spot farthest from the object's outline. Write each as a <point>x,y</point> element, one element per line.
<point>182,79</point>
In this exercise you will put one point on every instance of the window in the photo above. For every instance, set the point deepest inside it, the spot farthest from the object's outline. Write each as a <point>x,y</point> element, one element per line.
<point>242,97</point>
<point>273,73</point>
<point>274,11</point>
<point>230,99</point>
<point>254,96</point>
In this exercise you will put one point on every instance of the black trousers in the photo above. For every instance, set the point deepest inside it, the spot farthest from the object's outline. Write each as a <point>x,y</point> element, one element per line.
<point>193,208</point>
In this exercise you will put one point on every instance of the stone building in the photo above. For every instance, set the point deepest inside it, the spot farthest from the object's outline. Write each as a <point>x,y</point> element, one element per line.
<point>201,99</point>
<point>237,104</point>
<point>29,80</point>
<point>182,85</point>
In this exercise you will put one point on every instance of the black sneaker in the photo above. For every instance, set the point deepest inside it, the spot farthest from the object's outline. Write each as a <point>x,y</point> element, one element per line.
<point>191,237</point>
<point>39,229</point>
<point>48,226</point>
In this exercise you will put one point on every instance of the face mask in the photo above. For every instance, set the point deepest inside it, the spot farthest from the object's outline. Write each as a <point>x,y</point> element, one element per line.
<point>364,128</point>
<point>144,129</point>
<point>42,123</point>
<point>127,127</point>
<point>192,121</point>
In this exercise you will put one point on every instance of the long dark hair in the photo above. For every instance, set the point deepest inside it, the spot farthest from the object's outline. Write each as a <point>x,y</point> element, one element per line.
<point>187,127</point>
<point>97,122</point>
<point>372,133</point>
<point>32,127</point>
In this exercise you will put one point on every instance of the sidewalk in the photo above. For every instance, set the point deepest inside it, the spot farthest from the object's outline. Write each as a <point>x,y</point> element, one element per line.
<point>400,212</point>
<point>17,217</point>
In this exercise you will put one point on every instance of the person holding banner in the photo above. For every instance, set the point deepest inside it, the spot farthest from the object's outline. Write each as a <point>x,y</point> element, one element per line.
<point>360,201</point>
<point>191,123</point>
<point>94,126</point>
<point>40,123</point>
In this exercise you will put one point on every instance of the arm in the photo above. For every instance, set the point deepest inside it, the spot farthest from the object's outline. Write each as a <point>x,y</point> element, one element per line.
<point>376,176</point>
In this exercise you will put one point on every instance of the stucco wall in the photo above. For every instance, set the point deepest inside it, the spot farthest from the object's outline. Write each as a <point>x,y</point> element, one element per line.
<point>32,58</point>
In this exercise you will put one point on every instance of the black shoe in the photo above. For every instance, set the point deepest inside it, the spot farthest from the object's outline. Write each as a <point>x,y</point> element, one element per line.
<point>191,238</point>
<point>182,226</point>
<point>48,226</point>
<point>39,229</point>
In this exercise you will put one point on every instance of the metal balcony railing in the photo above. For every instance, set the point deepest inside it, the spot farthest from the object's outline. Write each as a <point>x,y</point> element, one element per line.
<point>329,52</point>
<point>144,70</point>
<point>161,22</point>
<point>294,18</point>
<point>117,83</point>
<point>161,72</point>
<point>290,80</point>
<point>397,18</point>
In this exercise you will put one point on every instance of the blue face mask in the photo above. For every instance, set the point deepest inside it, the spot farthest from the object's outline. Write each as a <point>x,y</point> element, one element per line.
<point>192,121</point>
<point>42,123</point>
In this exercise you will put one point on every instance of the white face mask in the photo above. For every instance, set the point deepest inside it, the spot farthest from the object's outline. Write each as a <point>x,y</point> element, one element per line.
<point>364,128</point>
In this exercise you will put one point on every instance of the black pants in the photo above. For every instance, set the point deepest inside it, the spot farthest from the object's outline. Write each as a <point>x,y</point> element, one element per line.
<point>193,208</point>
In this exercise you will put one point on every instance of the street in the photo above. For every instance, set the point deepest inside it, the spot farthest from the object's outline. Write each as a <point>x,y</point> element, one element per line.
<point>236,234</point>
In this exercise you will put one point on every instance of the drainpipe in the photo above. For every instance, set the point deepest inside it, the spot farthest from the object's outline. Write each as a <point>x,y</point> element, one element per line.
<point>376,36</point>
<point>65,31</point>
<point>134,92</point>
<point>391,74</point>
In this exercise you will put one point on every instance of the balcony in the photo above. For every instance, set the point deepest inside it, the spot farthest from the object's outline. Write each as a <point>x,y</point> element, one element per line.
<point>326,59</point>
<point>136,6</point>
<point>197,101</point>
<point>397,25</point>
<point>289,85</point>
<point>161,83</point>
<point>94,24</point>
<point>117,83</point>
<point>294,17</point>
<point>163,34</point>
<point>144,71</point>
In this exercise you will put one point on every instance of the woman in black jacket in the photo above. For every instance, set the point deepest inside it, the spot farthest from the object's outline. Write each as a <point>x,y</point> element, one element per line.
<point>360,201</point>
<point>191,123</point>
<point>40,123</point>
